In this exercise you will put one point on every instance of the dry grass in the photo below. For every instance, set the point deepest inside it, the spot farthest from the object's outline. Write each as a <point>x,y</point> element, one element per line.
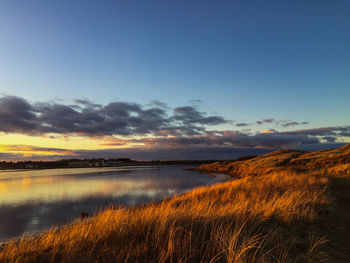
<point>255,219</point>
<point>270,215</point>
<point>329,162</point>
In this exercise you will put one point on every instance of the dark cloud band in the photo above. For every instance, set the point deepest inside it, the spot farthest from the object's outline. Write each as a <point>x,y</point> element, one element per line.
<point>86,118</point>
<point>155,125</point>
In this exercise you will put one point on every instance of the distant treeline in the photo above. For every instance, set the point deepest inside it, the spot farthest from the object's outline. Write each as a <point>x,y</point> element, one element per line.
<point>82,163</point>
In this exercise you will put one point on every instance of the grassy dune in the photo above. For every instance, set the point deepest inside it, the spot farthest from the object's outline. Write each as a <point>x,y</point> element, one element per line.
<point>328,162</point>
<point>273,217</point>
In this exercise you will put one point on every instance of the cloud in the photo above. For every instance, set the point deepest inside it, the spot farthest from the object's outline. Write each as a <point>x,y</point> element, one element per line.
<point>196,101</point>
<point>241,124</point>
<point>189,115</point>
<point>153,128</point>
<point>283,123</point>
<point>87,103</point>
<point>190,149</point>
<point>268,131</point>
<point>271,120</point>
<point>329,138</point>
<point>16,114</point>
<point>230,139</point>
<point>209,145</point>
<point>268,120</point>
<point>191,153</point>
<point>323,131</point>
<point>269,139</point>
<point>159,104</point>
<point>293,123</point>
<point>28,150</point>
<point>90,119</point>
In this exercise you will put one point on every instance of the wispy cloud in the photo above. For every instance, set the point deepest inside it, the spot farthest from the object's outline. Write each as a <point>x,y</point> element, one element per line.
<point>269,139</point>
<point>30,151</point>
<point>283,123</point>
<point>242,124</point>
<point>292,123</point>
<point>270,120</point>
<point>191,153</point>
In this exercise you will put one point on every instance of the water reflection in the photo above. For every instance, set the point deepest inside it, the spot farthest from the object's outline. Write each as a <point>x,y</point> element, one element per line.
<point>34,200</point>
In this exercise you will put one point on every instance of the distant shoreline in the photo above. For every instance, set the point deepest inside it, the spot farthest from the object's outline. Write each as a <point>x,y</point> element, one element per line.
<point>91,163</point>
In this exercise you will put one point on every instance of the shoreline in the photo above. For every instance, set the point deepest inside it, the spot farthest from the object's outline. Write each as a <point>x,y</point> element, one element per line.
<point>76,218</point>
<point>38,165</point>
<point>279,214</point>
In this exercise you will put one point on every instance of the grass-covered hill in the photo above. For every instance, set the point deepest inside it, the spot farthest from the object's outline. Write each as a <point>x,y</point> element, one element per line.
<point>335,162</point>
<point>281,209</point>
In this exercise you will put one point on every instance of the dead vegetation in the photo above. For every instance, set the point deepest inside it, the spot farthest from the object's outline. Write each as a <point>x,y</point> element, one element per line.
<point>329,162</point>
<point>269,218</point>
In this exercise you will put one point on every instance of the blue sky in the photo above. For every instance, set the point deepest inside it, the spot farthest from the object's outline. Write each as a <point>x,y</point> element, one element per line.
<point>245,60</point>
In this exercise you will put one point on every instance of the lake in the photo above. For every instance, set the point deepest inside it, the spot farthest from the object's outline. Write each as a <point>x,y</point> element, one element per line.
<point>34,200</point>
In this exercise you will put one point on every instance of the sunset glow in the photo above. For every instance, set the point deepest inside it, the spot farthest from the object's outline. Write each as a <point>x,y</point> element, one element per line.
<point>174,131</point>
<point>220,79</point>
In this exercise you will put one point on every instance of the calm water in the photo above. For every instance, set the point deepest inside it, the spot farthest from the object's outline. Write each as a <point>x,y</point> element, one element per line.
<point>31,201</point>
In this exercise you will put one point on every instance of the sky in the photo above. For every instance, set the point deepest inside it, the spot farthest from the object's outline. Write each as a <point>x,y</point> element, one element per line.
<point>172,79</point>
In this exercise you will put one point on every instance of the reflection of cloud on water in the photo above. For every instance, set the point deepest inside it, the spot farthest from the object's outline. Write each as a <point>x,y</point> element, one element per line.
<point>120,186</point>
<point>30,203</point>
<point>13,220</point>
<point>72,188</point>
<point>33,217</point>
<point>13,174</point>
<point>49,189</point>
<point>3,188</point>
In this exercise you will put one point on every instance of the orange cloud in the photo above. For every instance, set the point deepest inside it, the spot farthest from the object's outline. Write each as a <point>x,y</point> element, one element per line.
<point>28,151</point>
<point>268,131</point>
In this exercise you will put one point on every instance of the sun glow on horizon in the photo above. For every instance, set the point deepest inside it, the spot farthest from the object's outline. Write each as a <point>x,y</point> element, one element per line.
<point>46,145</point>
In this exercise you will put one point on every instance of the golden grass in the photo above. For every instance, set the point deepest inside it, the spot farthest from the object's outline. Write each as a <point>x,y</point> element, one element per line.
<point>331,162</point>
<point>254,219</point>
<point>270,215</point>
